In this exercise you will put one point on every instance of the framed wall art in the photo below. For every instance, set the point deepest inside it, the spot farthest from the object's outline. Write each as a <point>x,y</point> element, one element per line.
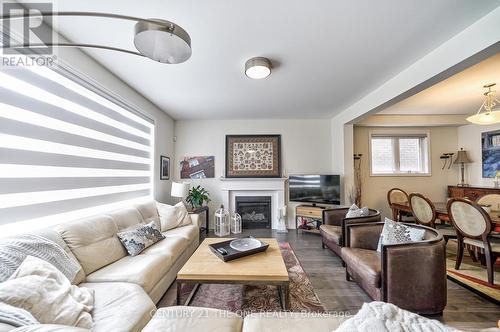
<point>253,156</point>
<point>199,167</point>
<point>164,168</point>
<point>490,142</point>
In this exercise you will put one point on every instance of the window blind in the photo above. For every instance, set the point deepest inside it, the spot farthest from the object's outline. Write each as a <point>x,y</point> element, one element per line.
<point>66,152</point>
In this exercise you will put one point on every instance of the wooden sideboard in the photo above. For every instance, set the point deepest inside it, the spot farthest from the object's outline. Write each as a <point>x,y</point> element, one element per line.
<point>471,192</point>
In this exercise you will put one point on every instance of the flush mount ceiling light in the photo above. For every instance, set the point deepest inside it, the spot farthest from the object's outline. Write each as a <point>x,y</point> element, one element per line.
<point>487,114</point>
<point>258,68</point>
<point>156,39</point>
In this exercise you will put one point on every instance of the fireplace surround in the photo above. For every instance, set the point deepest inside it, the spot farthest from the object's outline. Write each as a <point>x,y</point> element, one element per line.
<point>270,187</point>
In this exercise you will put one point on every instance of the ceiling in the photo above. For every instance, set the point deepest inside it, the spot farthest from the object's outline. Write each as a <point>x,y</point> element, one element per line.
<point>461,93</point>
<point>326,54</point>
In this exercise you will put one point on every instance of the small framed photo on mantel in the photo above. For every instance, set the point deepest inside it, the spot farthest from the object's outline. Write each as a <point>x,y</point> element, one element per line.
<point>253,156</point>
<point>164,168</point>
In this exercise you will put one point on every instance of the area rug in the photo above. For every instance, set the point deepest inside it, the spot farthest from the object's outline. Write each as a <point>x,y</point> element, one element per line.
<point>472,274</point>
<point>247,299</point>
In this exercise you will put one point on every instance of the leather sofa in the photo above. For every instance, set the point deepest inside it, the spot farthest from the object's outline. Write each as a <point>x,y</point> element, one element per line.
<point>334,224</point>
<point>126,288</point>
<point>410,275</point>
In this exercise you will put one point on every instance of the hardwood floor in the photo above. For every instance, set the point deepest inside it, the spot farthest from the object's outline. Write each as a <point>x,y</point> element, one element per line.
<point>465,310</point>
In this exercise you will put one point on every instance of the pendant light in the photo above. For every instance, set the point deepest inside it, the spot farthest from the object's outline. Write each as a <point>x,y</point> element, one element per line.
<point>487,113</point>
<point>156,39</point>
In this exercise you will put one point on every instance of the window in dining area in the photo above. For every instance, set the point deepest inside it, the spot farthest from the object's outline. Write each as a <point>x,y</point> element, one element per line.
<point>399,154</point>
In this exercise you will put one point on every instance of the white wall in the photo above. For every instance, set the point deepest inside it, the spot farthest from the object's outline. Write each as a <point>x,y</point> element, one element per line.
<point>94,72</point>
<point>306,146</point>
<point>469,138</point>
<point>375,188</point>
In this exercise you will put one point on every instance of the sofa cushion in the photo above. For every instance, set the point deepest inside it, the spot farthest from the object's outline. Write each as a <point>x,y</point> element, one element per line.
<point>137,239</point>
<point>189,232</point>
<point>364,262</point>
<point>149,212</point>
<point>126,218</point>
<point>173,246</point>
<point>173,216</point>
<point>120,306</point>
<point>291,321</point>
<point>188,319</point>
<point>331,233</point>
<point>143,270</point>
<point>54,236</point>
<point>93,241</point>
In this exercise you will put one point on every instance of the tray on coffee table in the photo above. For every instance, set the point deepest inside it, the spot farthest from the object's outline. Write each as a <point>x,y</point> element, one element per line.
<point>226,252</point>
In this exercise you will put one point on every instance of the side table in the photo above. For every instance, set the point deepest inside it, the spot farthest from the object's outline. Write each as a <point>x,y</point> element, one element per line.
<point>199,211</point>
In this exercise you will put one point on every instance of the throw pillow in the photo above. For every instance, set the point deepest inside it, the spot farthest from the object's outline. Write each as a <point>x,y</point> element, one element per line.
<point>386,317</point>
<point>168,216</point>
<point>355,211</point>
<point>182,214</point>
<point>138,239</point>
<point>395,232</point>
<point>173,216</point>
<point>41,289</point>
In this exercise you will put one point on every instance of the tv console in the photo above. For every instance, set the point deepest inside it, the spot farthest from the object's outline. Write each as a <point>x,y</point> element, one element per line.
<point>310,217</point>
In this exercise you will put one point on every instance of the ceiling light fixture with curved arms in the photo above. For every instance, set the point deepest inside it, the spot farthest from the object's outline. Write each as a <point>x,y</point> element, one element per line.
<point>156,39</point>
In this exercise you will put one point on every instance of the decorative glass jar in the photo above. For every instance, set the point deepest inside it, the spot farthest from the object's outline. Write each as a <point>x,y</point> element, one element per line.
<point>222,224</point>
<point>235,223</point>
<point>281,227</point>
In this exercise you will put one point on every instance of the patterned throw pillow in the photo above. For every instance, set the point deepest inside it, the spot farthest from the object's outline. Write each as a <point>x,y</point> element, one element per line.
<point>138,239</point>
<point>395,232</point>
<point>355,211</point>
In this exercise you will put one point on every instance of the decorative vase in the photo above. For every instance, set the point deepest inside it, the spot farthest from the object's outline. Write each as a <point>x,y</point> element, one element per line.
<point>235,223</point>
<point>222,224</point>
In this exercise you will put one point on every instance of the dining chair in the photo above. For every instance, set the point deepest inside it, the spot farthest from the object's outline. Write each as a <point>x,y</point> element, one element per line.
<point>473,226</point>
<point>397,196</point>
<point>425,214</point>
<point>493,200</point>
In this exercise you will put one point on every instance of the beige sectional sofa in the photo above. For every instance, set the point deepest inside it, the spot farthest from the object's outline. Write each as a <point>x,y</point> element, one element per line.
<point>126,288</point>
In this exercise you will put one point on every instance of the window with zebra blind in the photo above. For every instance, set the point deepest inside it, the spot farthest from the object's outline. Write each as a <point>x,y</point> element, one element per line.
<point>66,151</point>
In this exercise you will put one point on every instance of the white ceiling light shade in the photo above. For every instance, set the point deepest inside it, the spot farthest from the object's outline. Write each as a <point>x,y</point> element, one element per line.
<point>164,41</point>
<point>490,115</point>
<point>258,68</point>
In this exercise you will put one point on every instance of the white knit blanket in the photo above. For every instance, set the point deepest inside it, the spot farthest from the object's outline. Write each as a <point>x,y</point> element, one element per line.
<point>386,317</point>
<point>13,251</point>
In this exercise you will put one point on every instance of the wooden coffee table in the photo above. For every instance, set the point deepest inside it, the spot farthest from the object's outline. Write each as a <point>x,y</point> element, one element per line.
<point>266,268</point>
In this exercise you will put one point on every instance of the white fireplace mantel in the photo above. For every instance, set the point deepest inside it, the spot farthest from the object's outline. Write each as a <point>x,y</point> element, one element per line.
<point>273,187</point>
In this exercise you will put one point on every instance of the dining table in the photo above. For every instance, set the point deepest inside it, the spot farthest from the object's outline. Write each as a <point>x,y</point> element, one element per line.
<point>442,213</point>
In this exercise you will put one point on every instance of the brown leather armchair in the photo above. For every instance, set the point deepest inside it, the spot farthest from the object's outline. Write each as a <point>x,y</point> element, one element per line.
<point>410,275</point>
<point>333,228</point>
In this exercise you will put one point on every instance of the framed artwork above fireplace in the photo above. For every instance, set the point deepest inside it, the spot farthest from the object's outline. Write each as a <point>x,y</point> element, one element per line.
<point>253,156</point>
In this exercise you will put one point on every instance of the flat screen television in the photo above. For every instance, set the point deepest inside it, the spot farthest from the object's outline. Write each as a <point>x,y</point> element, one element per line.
<point>321,189</point>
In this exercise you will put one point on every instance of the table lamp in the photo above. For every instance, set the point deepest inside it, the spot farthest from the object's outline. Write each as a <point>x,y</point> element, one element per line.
<point>462,159</point>
<point>179,190</point>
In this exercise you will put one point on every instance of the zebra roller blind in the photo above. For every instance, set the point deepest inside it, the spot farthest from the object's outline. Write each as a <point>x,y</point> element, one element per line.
<point>66,152</point>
